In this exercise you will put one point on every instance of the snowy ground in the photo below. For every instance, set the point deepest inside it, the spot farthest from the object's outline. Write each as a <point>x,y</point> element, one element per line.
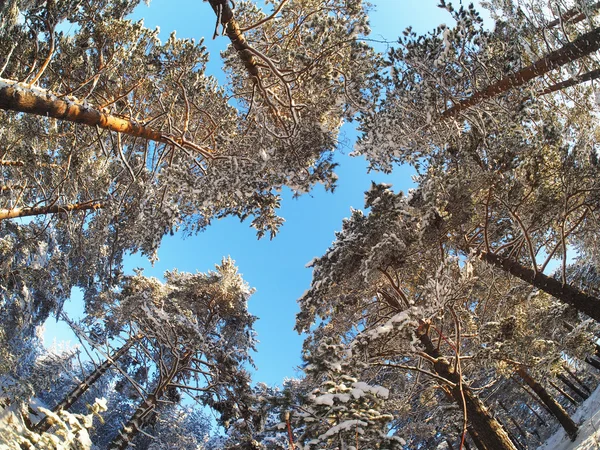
<point>588,419</point>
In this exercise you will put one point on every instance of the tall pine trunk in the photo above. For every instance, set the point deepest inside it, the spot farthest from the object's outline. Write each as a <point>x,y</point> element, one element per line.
<point>15,96</point>
<point>484,429</point>
<point>577,379</point>
<point>27,99</point>
<point>149,405</point>
<point>226,18</point>
<point>43,210</point>
<point>45,424</point>
<point>566,381</point>
<point>580,47</point>
<point>566,293</point>
<point>553,406</point>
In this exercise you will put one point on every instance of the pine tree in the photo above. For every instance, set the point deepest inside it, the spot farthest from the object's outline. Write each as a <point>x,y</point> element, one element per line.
<point>197,332</point>
<point>376,286</point>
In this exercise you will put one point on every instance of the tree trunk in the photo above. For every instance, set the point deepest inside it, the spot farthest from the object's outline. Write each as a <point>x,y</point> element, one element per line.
<point>533,396</point>
<point>149,405</point>
<point>576,378</point>
<point>564,394</point>
<point>588,76</point>
<point>43,210</point>
<point>516,441</point>
<point>225,17</point>
<point>593,362</point>
<point>514,422</point>
<point>483,427</point>
<point>22,98</point>
<point>566,293</point>
<point>582,46</point>
<point>573,16</point>
<point>582,394</point>
<point>44,424</point>
<point>536,414</point>
<point>553,406</point>
<point>19,97</point>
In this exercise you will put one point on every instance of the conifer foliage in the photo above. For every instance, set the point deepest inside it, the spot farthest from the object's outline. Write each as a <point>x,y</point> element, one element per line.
<point>462,314</point>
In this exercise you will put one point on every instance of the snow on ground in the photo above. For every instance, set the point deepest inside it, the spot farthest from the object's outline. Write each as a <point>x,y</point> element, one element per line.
<point>588,419</point>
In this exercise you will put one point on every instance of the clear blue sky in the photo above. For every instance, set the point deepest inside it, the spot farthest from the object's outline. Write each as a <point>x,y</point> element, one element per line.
<point>275,268</point>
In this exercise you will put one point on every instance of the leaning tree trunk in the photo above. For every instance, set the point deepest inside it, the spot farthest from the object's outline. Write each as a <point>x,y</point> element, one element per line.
<point>23,98</point>
<point>582,46</point>
<point>482,425</point>
<point>149,405</point>
<point>567,382</point>
<point>588,76</point>
<point>44,210</point>
<point>553,406</point>
<point>578,380</point>
<point>592,362</point>
<point>520,429</point>
<point>566,293</point>
<point>515,439</point>
<point>45,424</point>
<point>561,391</point>
<point>15,96</point>
<point>225,17</point>
<point>536,414</point>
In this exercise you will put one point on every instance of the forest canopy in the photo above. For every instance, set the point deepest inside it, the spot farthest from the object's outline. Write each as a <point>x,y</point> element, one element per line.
<point>463,313</point>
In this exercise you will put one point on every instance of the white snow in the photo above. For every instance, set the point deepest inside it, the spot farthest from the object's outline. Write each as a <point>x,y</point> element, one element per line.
<point>359,389</point>
<point>588,419</point>
<point>311,262</point>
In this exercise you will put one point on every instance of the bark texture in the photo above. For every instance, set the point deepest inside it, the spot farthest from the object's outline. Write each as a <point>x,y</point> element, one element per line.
<point>44,424</point>
<point>43,210</point>
<point>21,98</point>
<point>553,406</point>
<point>226,18</point>
<point>149,405</point>
<point>484,429</point>
<point>566,293</point>
<point>580,47</point>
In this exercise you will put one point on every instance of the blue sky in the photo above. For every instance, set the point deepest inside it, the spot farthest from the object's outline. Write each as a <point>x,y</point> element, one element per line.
<point>275,268</point>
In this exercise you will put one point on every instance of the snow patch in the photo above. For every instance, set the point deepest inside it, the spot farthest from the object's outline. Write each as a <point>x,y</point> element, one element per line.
<point>588,419</point>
